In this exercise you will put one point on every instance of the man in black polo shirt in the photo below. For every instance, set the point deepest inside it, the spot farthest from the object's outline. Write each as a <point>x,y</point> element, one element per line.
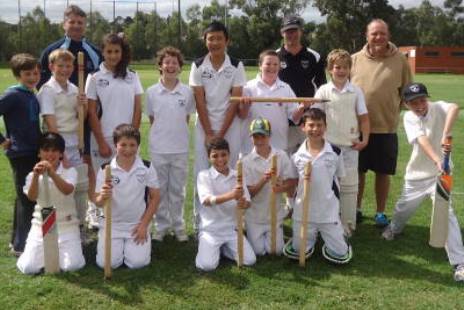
<point>301,67</point>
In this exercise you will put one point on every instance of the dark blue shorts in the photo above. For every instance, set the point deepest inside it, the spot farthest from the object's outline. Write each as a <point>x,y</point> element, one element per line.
<point>380,155</point>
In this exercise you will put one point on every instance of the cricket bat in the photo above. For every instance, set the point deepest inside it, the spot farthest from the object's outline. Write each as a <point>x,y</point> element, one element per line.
<point>439,219</point>
<point>49,231</point>
<point>305,219</point>
<point>239,214</point>
<point>282,99</point>
<point>272,205</point>
<point>80,112</point>
<point>107,210</point>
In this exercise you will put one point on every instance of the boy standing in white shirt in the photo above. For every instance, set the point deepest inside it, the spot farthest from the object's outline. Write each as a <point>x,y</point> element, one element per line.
<point>428,125</point>
<point>219,196</point>
<point>257,169</point>
<point>347,128</point>
<point>168,105</point>
<point>324,218</point>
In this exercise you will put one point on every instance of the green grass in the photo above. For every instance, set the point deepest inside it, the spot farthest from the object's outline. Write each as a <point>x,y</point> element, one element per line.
<point>405,273</point>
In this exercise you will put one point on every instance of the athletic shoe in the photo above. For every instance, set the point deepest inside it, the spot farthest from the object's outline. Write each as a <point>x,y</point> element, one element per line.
<point>459,273</point>
<point>359,216</point>
<point>388,234</point>
<point>158,236</point>
<point>381,220</point>
<point>291,253</point>
<point>335,258</point>
<point>181,236</point>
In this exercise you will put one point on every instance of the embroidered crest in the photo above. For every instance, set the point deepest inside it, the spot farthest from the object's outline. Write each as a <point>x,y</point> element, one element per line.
<point>283,64</point>
<point>206,75</point>
<point>115,180</point>
<point>228,72</point>
<point>414,88</point>
<point>181,102</point>
<point>305,64</point>
<point>103,83</point>
<point>140,177</point>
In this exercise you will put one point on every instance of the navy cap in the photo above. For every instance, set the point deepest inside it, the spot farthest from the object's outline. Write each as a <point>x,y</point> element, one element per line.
<point>291,22</point>
<point>413,91</point>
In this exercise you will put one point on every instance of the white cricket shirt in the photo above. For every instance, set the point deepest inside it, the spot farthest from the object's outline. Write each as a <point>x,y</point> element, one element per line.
<point>170,108</point>
<point>115,95</point>
<point>327,166</point>
<point>420,166</point>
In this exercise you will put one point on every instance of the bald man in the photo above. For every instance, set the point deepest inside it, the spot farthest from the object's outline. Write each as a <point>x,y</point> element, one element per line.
<point>381,71</point>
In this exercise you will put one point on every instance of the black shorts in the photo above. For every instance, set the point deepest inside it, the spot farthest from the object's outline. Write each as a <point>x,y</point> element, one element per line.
<point>380,155</point>
<point>86,138</point>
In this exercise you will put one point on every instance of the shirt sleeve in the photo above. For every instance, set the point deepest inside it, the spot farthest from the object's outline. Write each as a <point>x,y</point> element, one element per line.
<point>293,106</point>
<point>240,76</point>
<point>361,107</point>
<point>5,105</point>
<point>190,101</point>
<point>100,180</point>
<point>70,176</point>
<point>27,185</point>
<point>287,170</point>
<point>204,186</point>
<point>91,87</point>
<point>195,76</point>
<point>319,95</point>
<point>151,177</point>
<point>46,99</point>
<point>137,85</point>
<point>149,102</point>
<point>412,127</point>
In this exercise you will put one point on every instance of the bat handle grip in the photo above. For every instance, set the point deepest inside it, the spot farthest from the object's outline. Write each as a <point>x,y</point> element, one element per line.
<point>446,165</point>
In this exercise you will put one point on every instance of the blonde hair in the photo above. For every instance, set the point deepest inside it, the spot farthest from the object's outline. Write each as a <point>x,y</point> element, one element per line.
<point>338,55</point>
<point>60,54</point>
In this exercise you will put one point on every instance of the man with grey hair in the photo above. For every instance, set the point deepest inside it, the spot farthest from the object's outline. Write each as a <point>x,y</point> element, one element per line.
<point>381,71</point>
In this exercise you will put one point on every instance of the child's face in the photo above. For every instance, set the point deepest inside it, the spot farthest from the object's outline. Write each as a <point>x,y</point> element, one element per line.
<point>112,54</point>
<point>216,43</point>
<point>418,106</point>
<point>29,78</point>
<point>62,70</point>
<point>53,156</point>
<point>170,67</point>
<point>314,128</point>
<point>270,67</point>
<point>260,140</point>
<point>219,159</point>
<point>340,72</point>
<point>127,148</point>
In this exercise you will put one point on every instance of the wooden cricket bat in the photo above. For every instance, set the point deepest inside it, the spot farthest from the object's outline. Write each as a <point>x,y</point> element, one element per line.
<point>282,99</point>
<point>440,210</point>
<point>305,219</point>
<point>80,111</point>
<point>272,205</point>
<point>107,210</point>
<point>49,232</point>
<point>239,214</point>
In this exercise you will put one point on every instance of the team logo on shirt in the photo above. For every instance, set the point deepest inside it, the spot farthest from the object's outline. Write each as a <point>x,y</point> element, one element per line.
<point>103,83</point>
<point>305,64</point>
<point>228,72</point>
<point>283,64</point>
<point>181,102</point>
<point>115,180</point>
<point>129,78</point>
<point>140,176</point>
<point>206,74</point>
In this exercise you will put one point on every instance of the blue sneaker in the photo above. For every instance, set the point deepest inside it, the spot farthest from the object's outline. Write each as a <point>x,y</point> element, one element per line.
<point>381,220</point>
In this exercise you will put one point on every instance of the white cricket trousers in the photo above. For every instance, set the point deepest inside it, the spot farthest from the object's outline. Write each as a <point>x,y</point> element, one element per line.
<point>212,244</point>
<point>331,233</point>
<point>201,157</point>
<point>72,148</point>
<point>414,192</point>
<point>172,172</point>
<point>69,247</point>
<point>349,188</point>
<point>124,249</point>
<point>259,236</point>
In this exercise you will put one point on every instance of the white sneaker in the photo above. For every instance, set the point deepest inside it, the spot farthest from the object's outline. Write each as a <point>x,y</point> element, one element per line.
<point>388,234</point>
<point>181,236</point>
<point>158,236</point>
<point>459,273</point>
<point>92,216</point>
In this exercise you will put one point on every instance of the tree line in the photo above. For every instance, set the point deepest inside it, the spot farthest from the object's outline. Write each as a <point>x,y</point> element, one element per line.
<point>255,29</point>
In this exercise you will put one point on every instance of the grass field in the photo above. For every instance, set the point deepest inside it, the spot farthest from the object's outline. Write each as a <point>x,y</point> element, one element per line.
<point>405,273</point>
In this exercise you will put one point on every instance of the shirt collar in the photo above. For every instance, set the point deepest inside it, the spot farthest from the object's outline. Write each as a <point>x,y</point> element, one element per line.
<point>260,82</point>
<point>216,174</point>
<point>137,164</point>
<point>105,70</point>
<point>224,65</point>
<point>163,89</point>
<point>348,87</point>
<point>57,87</point>
<point>327,148</point>
<point>255,155</point>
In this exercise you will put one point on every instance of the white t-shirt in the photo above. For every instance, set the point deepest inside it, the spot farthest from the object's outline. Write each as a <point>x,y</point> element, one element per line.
<point>277,114</point>
<point>342,111</point>
<point>254,168</point>
<point>327,166</point>
<point>54,100</point>
<point>128,204</point>
<point>220,217</point>
<point>217,85</point>
<point>66,214</point>
<point>116,97</point>
<point>170,108</point>
<point>420,166</point>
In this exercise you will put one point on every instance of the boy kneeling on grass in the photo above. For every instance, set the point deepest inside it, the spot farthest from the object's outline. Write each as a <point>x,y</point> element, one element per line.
<point>427,125</point>
<point>131,215</point>
<point>61,189</point>
<point>219,196</point>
